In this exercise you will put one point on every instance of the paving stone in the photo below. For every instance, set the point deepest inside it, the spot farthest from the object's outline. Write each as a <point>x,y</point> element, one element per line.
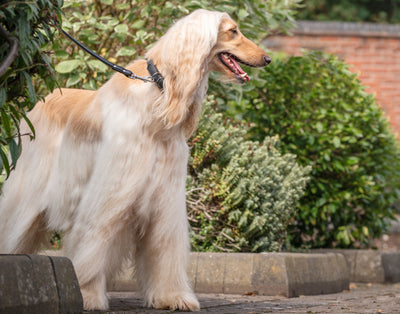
<point>361,298</point>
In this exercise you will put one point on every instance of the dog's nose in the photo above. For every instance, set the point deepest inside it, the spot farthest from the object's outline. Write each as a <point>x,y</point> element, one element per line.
<point>267,60</point>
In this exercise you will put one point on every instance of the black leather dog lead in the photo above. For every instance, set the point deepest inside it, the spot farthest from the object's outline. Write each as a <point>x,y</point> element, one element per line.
<point>155,75</point>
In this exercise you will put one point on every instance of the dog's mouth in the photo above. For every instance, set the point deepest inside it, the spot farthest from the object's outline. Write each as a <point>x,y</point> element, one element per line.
<point>232,63</point>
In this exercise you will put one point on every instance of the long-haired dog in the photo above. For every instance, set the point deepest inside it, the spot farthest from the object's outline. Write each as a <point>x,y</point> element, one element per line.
<point>108,167</point>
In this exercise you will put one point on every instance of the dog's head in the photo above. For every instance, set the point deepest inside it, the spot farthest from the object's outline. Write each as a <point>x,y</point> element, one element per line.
<point>201,42</point>
<point>233,48</point>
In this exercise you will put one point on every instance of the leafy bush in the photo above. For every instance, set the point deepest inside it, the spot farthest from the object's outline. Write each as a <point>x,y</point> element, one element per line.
<point>122,30</point>
<point>27,26</point>
<point>241,194</point>
<point>323,115</point>
<point>351,10</point>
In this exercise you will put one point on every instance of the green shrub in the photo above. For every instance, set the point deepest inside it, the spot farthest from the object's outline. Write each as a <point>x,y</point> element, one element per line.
<point>31,23</point>
<point>241,194</point>
<point>351,11</point>
<point>323,115</point>
<point>122,30</point>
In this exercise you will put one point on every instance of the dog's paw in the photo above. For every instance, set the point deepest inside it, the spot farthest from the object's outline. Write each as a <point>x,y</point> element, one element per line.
<point>94,301</point>
<point>178,301</point>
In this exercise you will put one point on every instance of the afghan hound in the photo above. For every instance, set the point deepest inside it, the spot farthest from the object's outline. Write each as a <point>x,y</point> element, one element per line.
<point>108,167</point>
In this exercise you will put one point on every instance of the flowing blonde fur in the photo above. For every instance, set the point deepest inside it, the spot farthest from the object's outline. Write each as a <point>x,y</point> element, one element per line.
<point>108,167</point>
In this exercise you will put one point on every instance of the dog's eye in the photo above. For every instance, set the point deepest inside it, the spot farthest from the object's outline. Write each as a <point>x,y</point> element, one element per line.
<point>234,30</point>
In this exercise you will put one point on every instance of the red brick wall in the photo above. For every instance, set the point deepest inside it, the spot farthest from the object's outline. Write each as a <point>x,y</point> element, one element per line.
<point>372,50</point>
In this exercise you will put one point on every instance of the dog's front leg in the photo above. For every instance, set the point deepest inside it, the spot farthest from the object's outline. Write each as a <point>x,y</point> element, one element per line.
<point>163,251</point>
<point>161,262</point>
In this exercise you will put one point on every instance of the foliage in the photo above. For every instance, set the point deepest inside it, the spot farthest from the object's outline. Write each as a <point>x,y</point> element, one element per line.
<point>241,194</point>
<point>31,23</point>
<point>122,30</point>
<point>381,11</point>
<point>323,115</point>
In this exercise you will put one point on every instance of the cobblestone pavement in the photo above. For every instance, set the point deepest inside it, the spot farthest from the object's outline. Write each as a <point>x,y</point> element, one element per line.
<point>362,298</point>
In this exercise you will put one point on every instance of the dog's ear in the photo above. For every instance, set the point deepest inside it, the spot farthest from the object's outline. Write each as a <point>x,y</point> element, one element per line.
<point>182,58</point>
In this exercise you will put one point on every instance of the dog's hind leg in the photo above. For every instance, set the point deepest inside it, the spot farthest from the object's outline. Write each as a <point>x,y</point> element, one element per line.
<point>97,252</point>
<point>22,203</point>
<point>33,238</point>
<point>23,234</point>
<point>22,223</point>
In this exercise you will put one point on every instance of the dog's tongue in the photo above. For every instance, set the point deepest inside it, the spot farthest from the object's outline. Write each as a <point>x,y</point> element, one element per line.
<point>235,67</point>
<point>239,71</point>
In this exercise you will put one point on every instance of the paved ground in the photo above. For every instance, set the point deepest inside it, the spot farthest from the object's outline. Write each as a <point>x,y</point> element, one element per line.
<point>362,298</point>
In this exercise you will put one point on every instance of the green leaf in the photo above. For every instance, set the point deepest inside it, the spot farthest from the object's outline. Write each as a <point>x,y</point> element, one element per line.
<point>108,2</point>
<point>4,161</point>
<point>122,6</point>
<point>31,89</point>
<point>138,24</point>
<point>121,28</point>
<point>73,79</point>
<point>96,64</point>
<point>242,14</point>
<point>2,97</point>
<point>67,66</point>
<point>61,54</point>
<point>6,123</point>
<point>336,142</point>
<point>126,51</point>
<point>29,123</point>
<point>14,151</point>
<point>320,127</point>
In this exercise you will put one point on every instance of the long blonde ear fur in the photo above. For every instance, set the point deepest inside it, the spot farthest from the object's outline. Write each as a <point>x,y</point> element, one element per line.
<point>181,56</point>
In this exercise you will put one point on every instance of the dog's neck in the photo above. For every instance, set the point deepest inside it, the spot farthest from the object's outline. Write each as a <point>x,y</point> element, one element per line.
<point>194,110</point>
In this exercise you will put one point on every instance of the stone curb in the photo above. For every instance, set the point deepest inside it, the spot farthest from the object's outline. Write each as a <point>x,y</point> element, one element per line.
<point>38,284</point>
<point>367,266</point>
<point>286,274</point>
